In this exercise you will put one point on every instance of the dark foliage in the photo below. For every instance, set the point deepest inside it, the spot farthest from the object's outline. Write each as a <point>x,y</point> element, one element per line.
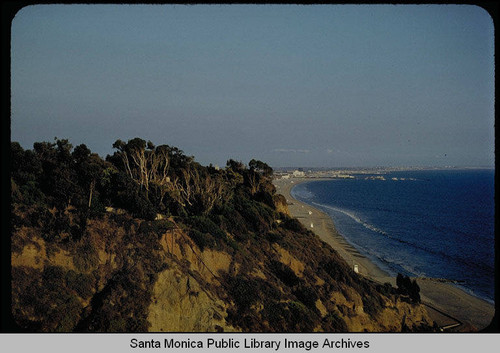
<point>293,224</point>
<point>284,273</point>
<point>307,295</point>
<point>53,307</point>
<point>408,287</point>
<point>119,307</point>
<point>203,240</point>
<point>334,323</point>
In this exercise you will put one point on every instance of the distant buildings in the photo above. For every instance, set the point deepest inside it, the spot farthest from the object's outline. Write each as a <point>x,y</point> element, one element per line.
<point>375,177</point>
<point>300,173</point>
<point>378,173</point>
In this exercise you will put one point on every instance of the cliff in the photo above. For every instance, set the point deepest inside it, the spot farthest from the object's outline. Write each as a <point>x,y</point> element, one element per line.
<point>232,263</point>
<point>117,281</point>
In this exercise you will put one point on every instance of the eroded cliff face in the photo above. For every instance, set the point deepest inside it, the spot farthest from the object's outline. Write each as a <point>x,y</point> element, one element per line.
<point>184,295</point>
<point>183,303</point>
<point>280,204</point>
<point>180,304</point>
<point>392,317</point>
<point>124,278</point>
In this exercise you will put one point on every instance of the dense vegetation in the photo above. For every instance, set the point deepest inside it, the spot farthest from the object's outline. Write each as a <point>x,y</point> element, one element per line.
<point>408,287</point>
<point>70,198</point>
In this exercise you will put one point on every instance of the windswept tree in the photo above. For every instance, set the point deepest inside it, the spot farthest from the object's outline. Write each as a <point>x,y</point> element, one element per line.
<point>201,190</point>
<point>258,174</point>
<point>160,172</point>
<point>136,159</point>
<point>260,167</point>
<point>146,164</point>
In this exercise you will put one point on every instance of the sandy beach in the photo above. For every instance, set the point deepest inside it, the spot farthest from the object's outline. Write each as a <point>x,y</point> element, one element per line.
<point>446,304</point>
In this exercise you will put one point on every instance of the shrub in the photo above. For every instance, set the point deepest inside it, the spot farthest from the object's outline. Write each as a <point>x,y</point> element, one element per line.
<point>66,314</point>
<point>55,226</point>
<point>44,298</point>
<point>265,197</point>
<point>334,323</point>
<point>284,273</point>
<point>206,225</point>
<point>128,195</point>
<point>338,272</point>
<point>201,239</point>
<point>234,245</point>
<point>302,320</point>
<point>53,278</point>
<point>258,216</point>
<point>274,236</point>
<point>294,225</point>
<point>244,293</point>
<point>371,305</point>
<point>121,306</point>
<point>386,289</point>
<point>233,221</point>
<point>81,283</point>
<point>277,314</point>
<point>150,231</point>
<point>203,224</point>
<point>307,295</point>
<point>408,287</point>
<point>98,208</point>
<point>85,257</point>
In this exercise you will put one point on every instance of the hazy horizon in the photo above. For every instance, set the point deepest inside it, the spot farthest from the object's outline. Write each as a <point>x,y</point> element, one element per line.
<point>294,86</point>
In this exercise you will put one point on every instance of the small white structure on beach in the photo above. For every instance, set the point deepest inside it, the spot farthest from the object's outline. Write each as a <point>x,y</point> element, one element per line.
<point>356,268</point>
<point>310,212</point>
<point>312,225</point>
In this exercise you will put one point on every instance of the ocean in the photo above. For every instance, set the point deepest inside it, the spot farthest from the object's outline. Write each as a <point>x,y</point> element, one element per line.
<point>432,223</point>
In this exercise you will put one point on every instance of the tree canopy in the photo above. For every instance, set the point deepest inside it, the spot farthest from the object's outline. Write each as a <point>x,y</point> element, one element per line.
<point>140,177</point>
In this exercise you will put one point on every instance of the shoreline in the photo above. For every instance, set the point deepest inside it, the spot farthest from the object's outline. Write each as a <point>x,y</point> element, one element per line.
<point>446,304</point>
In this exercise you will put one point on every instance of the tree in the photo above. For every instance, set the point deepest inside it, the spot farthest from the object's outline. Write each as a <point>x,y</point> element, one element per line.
<point>159,171</point>
<point>235,166</point>
<point>92,171</point>
<point>408,287</point>
<point>58,177</point>
<point>143,162</point>
<point>258,174</point>
<point>26,169</point>
<point>199,190</point>
<point>261,168</point>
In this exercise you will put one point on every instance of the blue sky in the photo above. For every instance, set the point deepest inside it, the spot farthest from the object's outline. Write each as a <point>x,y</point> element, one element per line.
<point>292,85</point>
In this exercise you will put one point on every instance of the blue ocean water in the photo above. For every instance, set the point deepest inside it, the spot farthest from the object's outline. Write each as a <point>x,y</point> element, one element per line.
<point>434,223</point>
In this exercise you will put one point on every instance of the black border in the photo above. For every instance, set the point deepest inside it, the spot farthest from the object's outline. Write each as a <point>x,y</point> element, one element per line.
<point>7,14</point>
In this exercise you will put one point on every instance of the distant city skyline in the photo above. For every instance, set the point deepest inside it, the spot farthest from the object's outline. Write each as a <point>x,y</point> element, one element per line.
<point>294,86</point>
